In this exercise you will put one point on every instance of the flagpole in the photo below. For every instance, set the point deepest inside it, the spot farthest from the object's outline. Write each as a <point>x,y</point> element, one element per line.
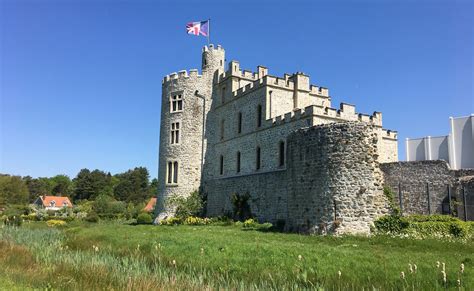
<point>209,32</point>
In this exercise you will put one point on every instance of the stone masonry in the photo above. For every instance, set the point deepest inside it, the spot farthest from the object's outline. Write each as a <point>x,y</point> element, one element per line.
<point>302,162</point>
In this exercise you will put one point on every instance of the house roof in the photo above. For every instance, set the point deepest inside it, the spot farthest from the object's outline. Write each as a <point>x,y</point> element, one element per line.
<point>150,205</point>
<point>59,201</point>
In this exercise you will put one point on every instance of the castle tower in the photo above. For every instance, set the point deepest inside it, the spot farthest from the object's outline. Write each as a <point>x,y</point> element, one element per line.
<point>181,132</point>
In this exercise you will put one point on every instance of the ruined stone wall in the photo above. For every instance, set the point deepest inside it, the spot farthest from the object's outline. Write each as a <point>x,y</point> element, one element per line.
<point>332,175</point>
<point>414,179</point>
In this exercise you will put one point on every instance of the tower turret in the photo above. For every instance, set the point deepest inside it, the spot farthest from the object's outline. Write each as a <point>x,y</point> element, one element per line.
<point>183,114</point>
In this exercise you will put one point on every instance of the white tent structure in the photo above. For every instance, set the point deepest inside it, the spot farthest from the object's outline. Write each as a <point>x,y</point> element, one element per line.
<point>457,148</point>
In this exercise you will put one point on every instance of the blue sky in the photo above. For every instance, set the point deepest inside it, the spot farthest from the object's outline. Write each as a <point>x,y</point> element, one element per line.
<point>80,81</point>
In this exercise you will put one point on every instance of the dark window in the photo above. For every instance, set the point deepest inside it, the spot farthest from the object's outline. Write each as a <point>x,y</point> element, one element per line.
<point>175,174</point>
<point>281,153</point>
<point>176,103</point>
<point>223,95</point>
<point>258,159</point>
<point>259,115</point>
<point>222,166</point>
<point>222,128</point>
<point>238,162</point>
<point>174,132</point>
<point>239,123</point>
<point>170,172</point>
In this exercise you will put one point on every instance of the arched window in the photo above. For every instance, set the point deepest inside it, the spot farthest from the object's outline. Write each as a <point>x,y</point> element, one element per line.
<point>238,162</point>
<point>257,162</point>
<point>239,123</point>
<point>222,165</point>
<point>259,115</point>
<point>281,154</point>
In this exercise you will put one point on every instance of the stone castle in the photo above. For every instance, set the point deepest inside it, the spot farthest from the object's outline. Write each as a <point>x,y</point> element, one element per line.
<point>275,140</point>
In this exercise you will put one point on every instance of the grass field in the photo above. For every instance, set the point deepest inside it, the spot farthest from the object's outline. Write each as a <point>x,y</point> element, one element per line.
<point>117,256</point>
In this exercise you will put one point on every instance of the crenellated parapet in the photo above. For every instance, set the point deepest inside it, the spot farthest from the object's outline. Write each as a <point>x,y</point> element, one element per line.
<point>182,75</point>
<point>389,134</point>
<point>285,82</point>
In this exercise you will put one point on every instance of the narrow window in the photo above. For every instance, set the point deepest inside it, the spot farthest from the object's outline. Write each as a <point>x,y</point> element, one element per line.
<point>176,103</point>
<point>222,165</point>
<point>238,162</point>
<point>223,95</point>
<point>239,123</point>
<point>170,172</point>
<point>281,153</point>
<point>174,132</point>
<point>258,159</point>
<point>222,128</point>
<point>175,174</point>
<point>259,115</point>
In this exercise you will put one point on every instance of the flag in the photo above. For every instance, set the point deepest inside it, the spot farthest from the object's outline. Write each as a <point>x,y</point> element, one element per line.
<point>198,28</point>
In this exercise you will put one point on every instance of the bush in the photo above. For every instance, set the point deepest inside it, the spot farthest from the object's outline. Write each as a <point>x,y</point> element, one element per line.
<point>12,220</point>
<point>171,221</point>
<point>242,210</point>
<point>55,223</point>
<point>192,205</point>
<point>144,218</point>
<point>249,223</point>
<point>391,224</point>
<point>92,217</point>
<point>197,221</point>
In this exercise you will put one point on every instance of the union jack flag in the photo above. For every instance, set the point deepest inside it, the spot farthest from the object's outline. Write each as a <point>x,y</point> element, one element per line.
<point>198,28</point>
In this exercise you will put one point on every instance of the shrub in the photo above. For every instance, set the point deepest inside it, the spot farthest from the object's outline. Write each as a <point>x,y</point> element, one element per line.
<point>55,223</point>
<point>192,205</point>
<point>144,218</point>
<point>249,223</point>
<point>242,210</point>
<point>391,224</point>
<point>92,217</point>
<point>197,221</point>
<point>171,221</point>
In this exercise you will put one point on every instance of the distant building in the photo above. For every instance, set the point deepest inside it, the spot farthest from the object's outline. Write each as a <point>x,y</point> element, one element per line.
<point>150,207</point>
<point>53,202</point>
<point>457,148</point>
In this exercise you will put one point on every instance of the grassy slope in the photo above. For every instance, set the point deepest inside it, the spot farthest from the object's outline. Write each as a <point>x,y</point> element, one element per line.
<point>254,256</point>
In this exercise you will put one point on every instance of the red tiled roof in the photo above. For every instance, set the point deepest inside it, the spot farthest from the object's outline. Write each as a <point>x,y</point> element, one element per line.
<point>151,205</point>
<point>60,201</point>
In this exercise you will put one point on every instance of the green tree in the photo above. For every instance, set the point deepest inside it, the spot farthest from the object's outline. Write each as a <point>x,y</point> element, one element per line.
<point>62,185</point>
<point>133,185</point>
<point>89,185</point>
<point>13,190</point>
<point>153,188</point>
<point>38,187</point>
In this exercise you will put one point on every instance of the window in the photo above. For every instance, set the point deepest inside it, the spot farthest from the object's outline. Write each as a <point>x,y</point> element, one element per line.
<point>172,173</point>
<point>258,159</point>
<point>222,128</point>
<point>239,123</point>
<point>238,162</point>
<point>281,154</point>
<point>259,115</point>
<point>176,103</point>
<point>174,132</point>
<point>221,171</point>
<point>223,95</point>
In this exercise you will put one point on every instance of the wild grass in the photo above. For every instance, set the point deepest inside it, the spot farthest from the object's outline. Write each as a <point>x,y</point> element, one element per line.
<point>113,256</point>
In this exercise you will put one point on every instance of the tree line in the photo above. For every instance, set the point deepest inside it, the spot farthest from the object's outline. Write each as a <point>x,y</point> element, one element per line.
<point>133,186</point>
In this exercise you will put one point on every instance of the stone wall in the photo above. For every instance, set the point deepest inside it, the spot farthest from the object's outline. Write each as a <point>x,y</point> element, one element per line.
<point>419,178</point>
<point>332,182</point>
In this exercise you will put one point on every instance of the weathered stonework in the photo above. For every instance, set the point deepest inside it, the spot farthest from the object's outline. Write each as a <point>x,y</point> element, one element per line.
<point>419,178</point>
<point>251,120</point>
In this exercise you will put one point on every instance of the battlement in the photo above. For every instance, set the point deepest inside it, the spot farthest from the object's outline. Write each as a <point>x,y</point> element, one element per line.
<point>389,134</point>
<point>182,75</point>
<point>286,82</point>
<point>345,113</point>
<point>212,47</point>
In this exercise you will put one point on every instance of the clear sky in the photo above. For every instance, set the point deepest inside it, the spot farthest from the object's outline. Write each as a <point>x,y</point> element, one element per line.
<point>80,81</point>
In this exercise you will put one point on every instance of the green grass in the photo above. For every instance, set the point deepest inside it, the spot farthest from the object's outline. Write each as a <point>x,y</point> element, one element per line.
<point>141,257</point>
